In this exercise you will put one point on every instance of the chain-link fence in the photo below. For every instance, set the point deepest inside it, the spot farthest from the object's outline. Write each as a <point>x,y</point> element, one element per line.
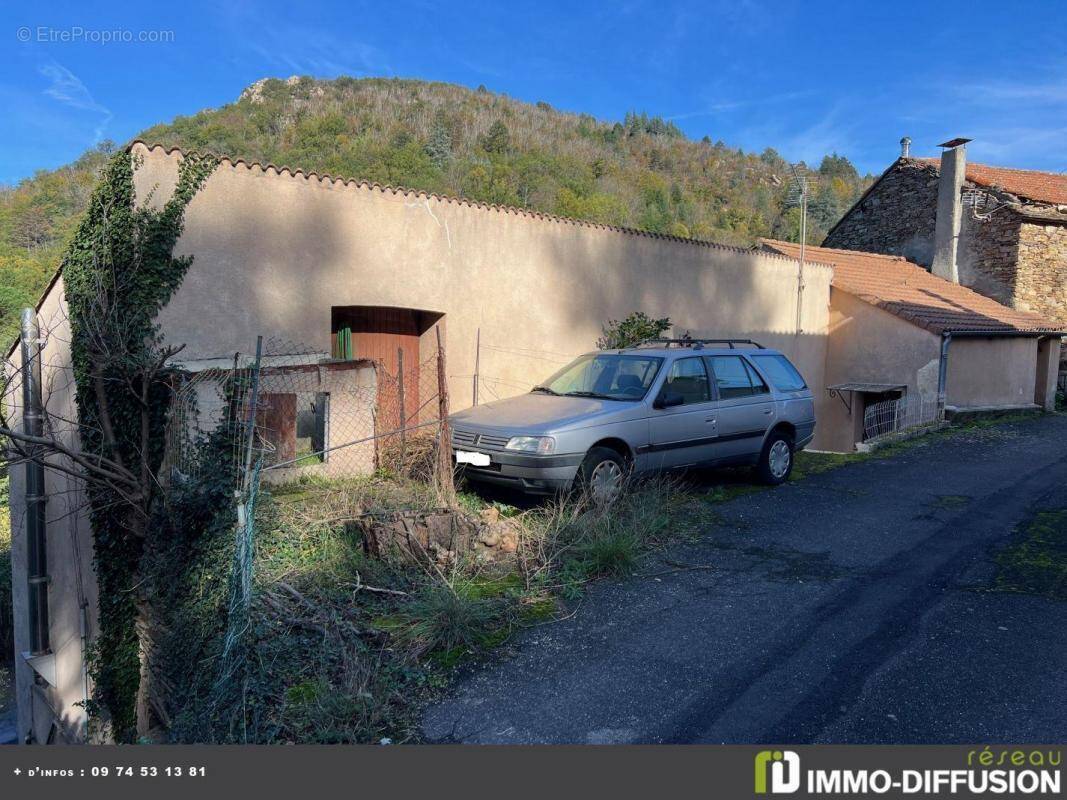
<point>285,413</point>
<point>313,414</point>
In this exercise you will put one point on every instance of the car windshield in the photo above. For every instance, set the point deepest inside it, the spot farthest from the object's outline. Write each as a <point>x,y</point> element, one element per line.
<point>609,376</point>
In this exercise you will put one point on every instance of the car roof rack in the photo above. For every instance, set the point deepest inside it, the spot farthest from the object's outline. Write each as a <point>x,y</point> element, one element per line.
<point>698,344</point>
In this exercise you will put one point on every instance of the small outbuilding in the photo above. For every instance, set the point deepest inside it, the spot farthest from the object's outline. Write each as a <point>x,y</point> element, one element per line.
<point>904,345</point>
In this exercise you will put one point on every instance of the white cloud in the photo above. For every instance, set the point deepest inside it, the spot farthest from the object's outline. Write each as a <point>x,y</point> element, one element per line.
<point>717,107</point>
<point>302,50</point>
<point>68,89</point>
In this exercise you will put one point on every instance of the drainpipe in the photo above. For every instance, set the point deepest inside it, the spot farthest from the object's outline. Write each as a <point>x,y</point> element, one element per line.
<point>33,425</point>
<point>942,375</point>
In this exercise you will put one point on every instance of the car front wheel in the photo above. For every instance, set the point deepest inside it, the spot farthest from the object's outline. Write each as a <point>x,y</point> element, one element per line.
<point>603,474</point>
<point>776,460</point>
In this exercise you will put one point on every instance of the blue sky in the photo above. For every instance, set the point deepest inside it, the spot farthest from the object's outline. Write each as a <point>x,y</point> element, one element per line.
<point>806,78</point>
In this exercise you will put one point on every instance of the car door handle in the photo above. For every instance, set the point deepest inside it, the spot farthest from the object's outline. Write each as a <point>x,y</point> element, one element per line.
<point>711,420</point>
<point>769,411</point>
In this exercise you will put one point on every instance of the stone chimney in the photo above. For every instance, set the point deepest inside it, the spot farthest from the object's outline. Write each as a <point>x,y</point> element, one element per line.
<point>949,210</point>
<point>905,147</point>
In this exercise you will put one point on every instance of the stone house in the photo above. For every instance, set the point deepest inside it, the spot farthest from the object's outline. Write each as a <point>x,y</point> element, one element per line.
<point>999,231</point>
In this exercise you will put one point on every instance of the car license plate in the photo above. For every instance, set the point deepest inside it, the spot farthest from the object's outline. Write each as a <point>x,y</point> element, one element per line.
<point>474,459</point>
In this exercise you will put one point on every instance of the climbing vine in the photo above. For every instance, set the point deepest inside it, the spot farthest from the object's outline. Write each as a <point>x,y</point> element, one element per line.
<point>119,272</point>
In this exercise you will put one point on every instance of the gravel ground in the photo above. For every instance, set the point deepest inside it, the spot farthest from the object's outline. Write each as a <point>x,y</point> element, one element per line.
<point>850,607</point>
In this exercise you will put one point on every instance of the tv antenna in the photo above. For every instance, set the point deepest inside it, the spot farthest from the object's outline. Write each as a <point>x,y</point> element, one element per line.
<point>984,204</point>
<point>799,191</point>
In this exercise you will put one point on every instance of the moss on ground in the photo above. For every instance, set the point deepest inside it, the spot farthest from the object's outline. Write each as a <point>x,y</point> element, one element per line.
<point>1035,562</point>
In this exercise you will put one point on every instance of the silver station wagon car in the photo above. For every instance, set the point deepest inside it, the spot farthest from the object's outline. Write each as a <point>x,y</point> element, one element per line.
<point>667,404</point>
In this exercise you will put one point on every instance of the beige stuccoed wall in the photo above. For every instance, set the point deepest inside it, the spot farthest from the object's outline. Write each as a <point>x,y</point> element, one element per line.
<point>273,252</point>
<point>985,373</point>
<point>869,345</point>
<point>69,550</point>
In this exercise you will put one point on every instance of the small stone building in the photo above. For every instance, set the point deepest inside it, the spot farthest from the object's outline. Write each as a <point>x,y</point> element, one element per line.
<point>1004,230</point>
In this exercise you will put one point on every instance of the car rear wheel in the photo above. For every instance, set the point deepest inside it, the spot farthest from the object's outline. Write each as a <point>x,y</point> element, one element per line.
<point>603,474</point>
<point>776,461</point>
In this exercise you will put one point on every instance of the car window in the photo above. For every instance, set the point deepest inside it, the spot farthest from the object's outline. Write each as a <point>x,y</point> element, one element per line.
<point>614,376</point>
<point>759,386</point>
<point>632,377</point>
<point>731,377</point>
<point>782,373</point>
<point>689,378</point>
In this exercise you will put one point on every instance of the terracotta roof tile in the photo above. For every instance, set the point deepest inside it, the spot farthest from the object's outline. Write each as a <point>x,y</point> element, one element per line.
<point>1044,187</point>
<point>910,292</point>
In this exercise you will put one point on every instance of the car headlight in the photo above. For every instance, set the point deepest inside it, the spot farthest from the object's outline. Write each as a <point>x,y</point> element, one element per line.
<point>542,445</point>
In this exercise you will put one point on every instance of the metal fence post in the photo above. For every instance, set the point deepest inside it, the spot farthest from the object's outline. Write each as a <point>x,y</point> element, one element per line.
<point>444,448</point>
<point>246,491</point>
<point>33,425</point>
<point>477,361</point>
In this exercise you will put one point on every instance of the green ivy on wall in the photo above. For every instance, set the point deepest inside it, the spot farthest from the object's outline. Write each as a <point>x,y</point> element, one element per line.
<point>119,272</point>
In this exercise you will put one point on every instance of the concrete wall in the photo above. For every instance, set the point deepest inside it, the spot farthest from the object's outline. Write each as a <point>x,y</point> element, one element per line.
<point>994,372</point>
<point>274,252</point>
<point>991,373</point>
<point>49,712</point>
<point>1048,364</point>
<point>869,345</point>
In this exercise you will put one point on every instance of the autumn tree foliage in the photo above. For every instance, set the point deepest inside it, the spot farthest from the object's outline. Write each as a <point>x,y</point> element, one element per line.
<point>641,172</point>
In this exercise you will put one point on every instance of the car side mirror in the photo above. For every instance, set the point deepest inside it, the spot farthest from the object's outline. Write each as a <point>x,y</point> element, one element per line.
<point>668,399</point>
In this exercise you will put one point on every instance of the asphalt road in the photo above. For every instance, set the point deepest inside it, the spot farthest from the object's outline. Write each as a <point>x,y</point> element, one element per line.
<point>849,607</point>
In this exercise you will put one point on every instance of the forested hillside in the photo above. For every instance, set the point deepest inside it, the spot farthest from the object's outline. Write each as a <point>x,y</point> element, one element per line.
<point>640,172</point>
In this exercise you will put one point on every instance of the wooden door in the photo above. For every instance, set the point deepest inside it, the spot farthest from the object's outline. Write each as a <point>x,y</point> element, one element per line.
<point>380,334</point>
<point>276,421</point>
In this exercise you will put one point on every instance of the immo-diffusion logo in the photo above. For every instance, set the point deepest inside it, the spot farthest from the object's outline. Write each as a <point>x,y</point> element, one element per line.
<point>1011,772</point>
<point>783,767</point>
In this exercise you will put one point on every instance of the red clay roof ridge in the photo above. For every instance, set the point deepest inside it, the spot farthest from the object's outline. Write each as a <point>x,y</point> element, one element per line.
<point>818,248</point>
<point>935,161</point>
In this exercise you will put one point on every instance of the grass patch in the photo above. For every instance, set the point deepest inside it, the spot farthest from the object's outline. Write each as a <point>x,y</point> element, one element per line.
<point>1036,560</point>
<point>440,619</point>
<point>572,541</point>
<point>345,663</point>
<point>808,463</point>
